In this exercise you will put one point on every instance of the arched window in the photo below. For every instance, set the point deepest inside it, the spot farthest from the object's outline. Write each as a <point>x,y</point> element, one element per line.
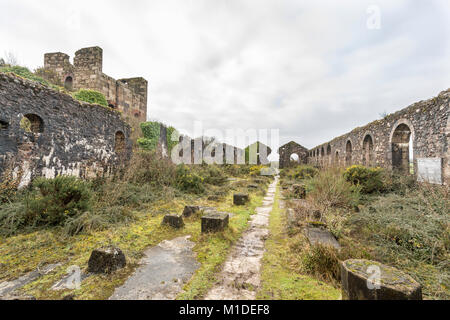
<point>119,143</point>
<point>336,158</point>
<point>402,153</point>
<point>323,152</point>
<point>4,125</point>
<point>368,154</point>
<point>295,159</point>
<point>68,83</point>
<point>348,154</point>
<point>32,123</point>
<point>329,150</point>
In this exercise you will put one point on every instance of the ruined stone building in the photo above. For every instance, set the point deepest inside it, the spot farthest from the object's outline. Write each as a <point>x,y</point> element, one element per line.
<point>47,133</point>
<point>414,140</point>
<point>128,96</point>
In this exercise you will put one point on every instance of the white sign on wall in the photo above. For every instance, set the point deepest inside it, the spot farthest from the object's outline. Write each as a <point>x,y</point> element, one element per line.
<point>429,170</point>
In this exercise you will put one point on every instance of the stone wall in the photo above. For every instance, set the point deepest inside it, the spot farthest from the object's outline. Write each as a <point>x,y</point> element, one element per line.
<point>60,135</point>
<point>126,95</point>
<point>386,142</point>
<point>290,149</point>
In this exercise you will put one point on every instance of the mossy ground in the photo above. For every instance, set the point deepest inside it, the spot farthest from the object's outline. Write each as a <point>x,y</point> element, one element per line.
<point>279,281</point>
<point>26,252</point>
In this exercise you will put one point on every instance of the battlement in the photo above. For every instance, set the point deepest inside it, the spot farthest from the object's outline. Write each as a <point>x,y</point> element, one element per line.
<point>89,59</point>
<point>126,95</point>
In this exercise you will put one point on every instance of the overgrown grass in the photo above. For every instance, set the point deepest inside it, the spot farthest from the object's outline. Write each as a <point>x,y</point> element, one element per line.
<point>280,278</point>
<point>212,250</point>
<point>125,211</point>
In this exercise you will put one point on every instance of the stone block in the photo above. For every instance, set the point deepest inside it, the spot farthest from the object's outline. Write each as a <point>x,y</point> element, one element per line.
<point>241,199</point>
<point>370,280</point>
<point>215,222</point>
<point>319,235</point>
<point>106,260</point>
<point>190,211</point>
<point>173,220</point>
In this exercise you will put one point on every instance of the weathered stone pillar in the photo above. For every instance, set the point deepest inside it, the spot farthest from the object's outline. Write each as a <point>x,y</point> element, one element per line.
<point>370,280</point>
<point>174,221</point>
<point>106,260</point>
<point>215,222</point>
<point>241,199</point>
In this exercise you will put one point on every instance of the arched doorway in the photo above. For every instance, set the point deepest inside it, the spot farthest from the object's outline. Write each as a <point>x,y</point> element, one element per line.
<point>294,160</point>
<point>402,153</point>
<point>348,153</point>
<point>68,83</point>
<point>368,155</point>
<point>32,123</point>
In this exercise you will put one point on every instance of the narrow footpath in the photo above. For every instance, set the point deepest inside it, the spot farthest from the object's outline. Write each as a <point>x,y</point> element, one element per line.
<point>241,274</point>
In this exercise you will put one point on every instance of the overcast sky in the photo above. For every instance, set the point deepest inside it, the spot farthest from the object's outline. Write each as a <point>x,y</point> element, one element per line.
<point>313,69</point>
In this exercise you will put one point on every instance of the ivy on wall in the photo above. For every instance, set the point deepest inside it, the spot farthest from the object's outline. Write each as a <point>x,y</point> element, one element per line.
<point>170,143</point>
<point>151,132</point>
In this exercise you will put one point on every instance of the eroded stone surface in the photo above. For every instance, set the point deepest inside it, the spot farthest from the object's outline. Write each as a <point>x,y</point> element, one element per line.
<point>321,236</point>
<point>163,272</point>
<point>240,277</point>
<point>215,222</point>
<point>174,221</point>
<point>7,288</point>
<point>371,280</point>
<point>241,199</point>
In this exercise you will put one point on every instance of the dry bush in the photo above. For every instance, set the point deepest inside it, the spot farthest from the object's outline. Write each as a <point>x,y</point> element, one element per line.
<point>329,189</point>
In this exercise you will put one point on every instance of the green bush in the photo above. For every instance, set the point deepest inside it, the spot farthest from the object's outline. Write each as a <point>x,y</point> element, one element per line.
<point>305,172</point>
<point>370,179</point>
<point>189,181</point>
<point>24,73</point>
<point>91,96</point>
<point>55,200</point>
<point>151,132</point>
<point>329,189</point>
<point>214,175</point>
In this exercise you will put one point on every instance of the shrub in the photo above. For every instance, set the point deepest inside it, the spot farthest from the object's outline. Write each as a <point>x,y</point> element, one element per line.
<point>91,96</point>
<point>151,132</point>
<point>256,170</point>
<point>149,167</point>
<point>24,73</point>
<point>214,175</point>
<point>329,189</point>
<point>55,200</point>
<point>370,179</point>
<point>322,262</point>
<point>188,180</point>
<point>305,172</point>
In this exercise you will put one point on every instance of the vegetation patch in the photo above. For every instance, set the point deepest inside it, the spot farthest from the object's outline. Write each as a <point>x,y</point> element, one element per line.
<point>280,278</point>
<point>91,96</point>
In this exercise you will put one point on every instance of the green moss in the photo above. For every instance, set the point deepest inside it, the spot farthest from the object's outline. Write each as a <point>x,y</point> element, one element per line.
<point>171,143</point>
<point>91,96</point>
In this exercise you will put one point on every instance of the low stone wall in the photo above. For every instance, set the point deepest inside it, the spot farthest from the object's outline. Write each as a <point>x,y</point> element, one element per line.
<point>387,142</point>
<point>60,136</point>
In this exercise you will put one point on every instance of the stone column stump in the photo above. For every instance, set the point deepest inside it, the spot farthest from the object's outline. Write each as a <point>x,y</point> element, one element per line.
<point>106,260</point>
<point>174,221</point>
<point>190,211</point>
<point>241,199</point>
<point>370,280</point>
<point>215,222</point>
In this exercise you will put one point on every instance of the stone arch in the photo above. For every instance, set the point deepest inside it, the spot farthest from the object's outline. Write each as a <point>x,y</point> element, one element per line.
<point>368,150</point>
<point>401,141</point>
<point>349,153</point>
<point>68,83</point>
<point>32,123</point>
<point>294,158</point>
<point>119,142</point>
